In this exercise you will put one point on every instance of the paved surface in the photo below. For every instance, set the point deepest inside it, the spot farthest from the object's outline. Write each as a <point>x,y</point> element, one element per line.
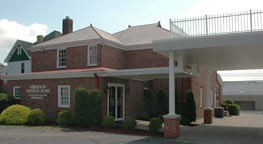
<point>244,129</point>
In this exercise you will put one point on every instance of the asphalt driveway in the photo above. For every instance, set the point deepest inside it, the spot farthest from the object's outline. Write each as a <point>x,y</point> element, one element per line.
<point>244,129</point>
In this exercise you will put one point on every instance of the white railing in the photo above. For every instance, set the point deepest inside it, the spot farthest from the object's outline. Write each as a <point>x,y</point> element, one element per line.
<point>208,25</point>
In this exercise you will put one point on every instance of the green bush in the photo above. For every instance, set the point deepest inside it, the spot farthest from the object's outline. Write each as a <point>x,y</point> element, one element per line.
<point>36,117</point>
<point>155,125</point>
<point>184,121</point>
<point>189,108</point>
<point>148,102</point>
<point>15,115</point>
<point>108,121</point>
<point>234,109</point>
<point>177,103</point>
<point>87,107</point>
<point>144,116</point>
<point>64,118</point>
<point>6,100</point>
<point>129,123</point>
<point>228,101</point>
<point>161,103</point>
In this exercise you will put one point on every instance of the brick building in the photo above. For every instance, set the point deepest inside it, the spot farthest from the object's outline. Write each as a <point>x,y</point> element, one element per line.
<point>120,65</point>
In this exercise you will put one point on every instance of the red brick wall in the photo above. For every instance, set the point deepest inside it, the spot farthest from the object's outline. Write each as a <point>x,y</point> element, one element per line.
<point>144,59</point>
<point>49,104</point>
<point>77,57</point>
<point>44,61</point>
<point>112,57</point>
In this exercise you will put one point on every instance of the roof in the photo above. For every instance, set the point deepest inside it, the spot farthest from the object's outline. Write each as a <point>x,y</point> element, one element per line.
<point>52,35</point>
<point>26,45</point>
<point>142,34</point>
<point>134,35</point>
<point>88,33</point>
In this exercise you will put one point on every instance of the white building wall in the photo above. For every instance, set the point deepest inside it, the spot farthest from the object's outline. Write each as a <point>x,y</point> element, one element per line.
<point>15,67</point>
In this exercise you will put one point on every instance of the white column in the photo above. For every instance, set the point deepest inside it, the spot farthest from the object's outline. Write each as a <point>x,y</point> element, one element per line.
<point>171,85</point>
<point>208,89</point>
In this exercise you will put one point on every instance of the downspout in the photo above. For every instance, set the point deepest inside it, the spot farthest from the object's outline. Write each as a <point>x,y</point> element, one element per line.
<point>97,81</point>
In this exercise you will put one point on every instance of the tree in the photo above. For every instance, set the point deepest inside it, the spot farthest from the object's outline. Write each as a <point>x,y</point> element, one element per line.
<point>161,103</point>
<point>148,100</point>
<point>189,108</point>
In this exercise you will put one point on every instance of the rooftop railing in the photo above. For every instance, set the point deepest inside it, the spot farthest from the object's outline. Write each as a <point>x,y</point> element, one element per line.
<point>208,25</point>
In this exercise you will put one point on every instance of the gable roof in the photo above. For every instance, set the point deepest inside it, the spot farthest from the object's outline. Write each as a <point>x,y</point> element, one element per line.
<point>25,47</point>
<point>88,33</point>
<point>52,35</point>
<point>142,34</point>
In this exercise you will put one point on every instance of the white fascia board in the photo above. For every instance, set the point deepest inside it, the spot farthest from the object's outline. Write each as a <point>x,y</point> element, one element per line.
<point>11,52</point>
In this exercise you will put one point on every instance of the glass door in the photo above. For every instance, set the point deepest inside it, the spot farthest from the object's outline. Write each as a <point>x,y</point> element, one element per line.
<point>116,101</point>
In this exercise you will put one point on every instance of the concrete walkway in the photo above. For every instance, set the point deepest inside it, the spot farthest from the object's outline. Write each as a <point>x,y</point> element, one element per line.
<point>244,129</point>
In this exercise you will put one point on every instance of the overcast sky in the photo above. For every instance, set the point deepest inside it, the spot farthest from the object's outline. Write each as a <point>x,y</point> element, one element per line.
<point>25,19</point>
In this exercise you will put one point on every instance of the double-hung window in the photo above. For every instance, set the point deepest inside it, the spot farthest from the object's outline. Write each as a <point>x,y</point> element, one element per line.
<point>17,92</point>
<point>92,55</point>
<point>61,58</point>
<point>64,96</point>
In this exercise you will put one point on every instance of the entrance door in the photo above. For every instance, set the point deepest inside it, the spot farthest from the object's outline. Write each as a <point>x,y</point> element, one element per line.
<point>116,101</point>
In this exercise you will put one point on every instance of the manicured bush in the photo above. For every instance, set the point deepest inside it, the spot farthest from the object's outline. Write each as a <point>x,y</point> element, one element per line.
<point>36,117</point>
<point>129,123</point>
<point>15,115</point>
<point>234,109</point>
<point>161,103</point>
<point>87,107</point>
<point>64,118</point>
<point>185,121</point>
<point>144,116</point>
<point>189,108</point>
<point>6,100</point>
<point>148,102</point>
<point>228,101</point>
<point>108,121</point>
<point>155,125</point>
<point>177,103</point>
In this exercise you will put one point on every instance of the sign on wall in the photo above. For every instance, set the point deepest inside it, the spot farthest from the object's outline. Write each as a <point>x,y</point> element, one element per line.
<point>37,91</point>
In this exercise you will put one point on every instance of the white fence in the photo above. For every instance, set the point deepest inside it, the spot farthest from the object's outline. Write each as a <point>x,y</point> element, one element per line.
<point>218,24</point>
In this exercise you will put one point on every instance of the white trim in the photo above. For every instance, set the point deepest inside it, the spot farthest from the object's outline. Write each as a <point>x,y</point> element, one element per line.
<point>12,51</point>
<point>59,96</point>
<point>15,87</point>
<point>116,85</point>
<point>89,54</point>
<point>58,66</point>
<point>111,73</point>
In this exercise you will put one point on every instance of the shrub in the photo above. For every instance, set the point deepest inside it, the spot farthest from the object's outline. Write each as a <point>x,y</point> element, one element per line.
<point>161,103</point>
<point>87,107</point>
<point>234,109</point>
<point>36,117</point>
<point>184,121</point>
<point>177,103</point>
<point>64,118</point>
<point>189,108</point>
<point>6,100</point>
<point>144,116</point>
<point>15,115</point>
<point>129,123</point>
<point>228,101</point>
<point>155,125</point>
<point>148,102</point>
<point>108,121</point>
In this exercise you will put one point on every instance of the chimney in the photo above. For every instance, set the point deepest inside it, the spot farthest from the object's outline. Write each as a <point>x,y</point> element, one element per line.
<point>67,25</point>
<point>39,39</point>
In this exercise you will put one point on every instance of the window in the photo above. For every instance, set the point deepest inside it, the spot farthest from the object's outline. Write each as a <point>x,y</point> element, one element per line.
<point>19,50</point>
<point>92,56</point>
<point>22,67</point>
<point>201,97</point>
<point>61,58</point>
<point>64,96</point>
<point>17,92</point>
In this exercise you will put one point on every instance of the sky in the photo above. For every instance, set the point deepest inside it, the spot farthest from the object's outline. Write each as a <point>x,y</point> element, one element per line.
<point>25,19</point>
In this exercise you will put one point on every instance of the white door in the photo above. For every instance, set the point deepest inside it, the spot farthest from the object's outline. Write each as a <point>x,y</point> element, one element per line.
<point>116,101</point>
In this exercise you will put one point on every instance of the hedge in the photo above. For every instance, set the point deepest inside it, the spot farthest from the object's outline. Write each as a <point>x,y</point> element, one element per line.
<point>15,115</point>
<point>108,121</point>
<point>155,125</point>
<point>64,118</point>
<point>234,109</point>
<point>87,107</point>
<point>36,117</point>
<point>129,123</point>
<point>6,100</point>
